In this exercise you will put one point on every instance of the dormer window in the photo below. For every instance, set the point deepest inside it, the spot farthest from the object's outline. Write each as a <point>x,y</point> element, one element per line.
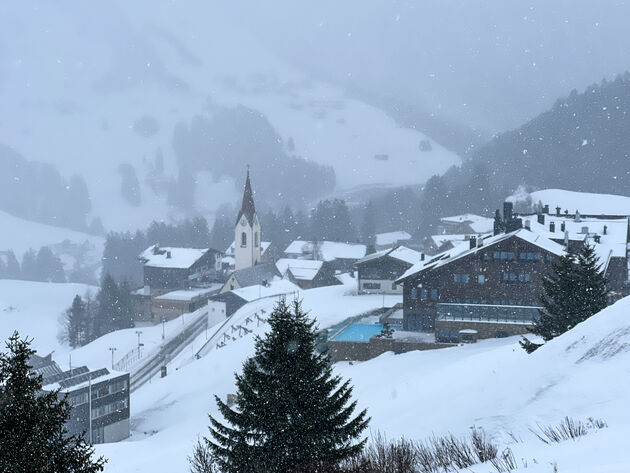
<point>243,240</point>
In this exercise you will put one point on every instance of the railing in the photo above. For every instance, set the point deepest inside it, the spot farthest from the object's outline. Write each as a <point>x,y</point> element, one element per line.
<point>487,313</point>
<point>129,359</point>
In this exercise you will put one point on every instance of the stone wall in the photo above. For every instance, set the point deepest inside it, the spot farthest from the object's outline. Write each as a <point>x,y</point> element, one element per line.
<point>362,351</point>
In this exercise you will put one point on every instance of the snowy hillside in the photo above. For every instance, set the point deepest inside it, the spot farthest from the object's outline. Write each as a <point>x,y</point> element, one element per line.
<point>120,75</point>
<point>492,384</point>
<point>71,246</point>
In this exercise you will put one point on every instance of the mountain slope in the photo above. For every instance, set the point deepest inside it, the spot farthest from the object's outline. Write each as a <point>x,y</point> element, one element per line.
<point>91,87</point>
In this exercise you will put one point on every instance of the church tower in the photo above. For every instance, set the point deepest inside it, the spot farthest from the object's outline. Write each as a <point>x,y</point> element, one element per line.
<point>247,233</point>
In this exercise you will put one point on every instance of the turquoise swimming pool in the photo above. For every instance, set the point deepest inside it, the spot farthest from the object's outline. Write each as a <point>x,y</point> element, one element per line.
<point>360,332</point>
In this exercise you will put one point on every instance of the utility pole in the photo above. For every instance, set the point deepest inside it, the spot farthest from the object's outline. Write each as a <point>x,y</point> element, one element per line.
<point>138,332</point>
<point>162,328</point>
<point>112,349</point>
<point>90,405</point>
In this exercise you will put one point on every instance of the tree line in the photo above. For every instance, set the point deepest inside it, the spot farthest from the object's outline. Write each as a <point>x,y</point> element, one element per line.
<point>92,316</point>
<point>42,265</point>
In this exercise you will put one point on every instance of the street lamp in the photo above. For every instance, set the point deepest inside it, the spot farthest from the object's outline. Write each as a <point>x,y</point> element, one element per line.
<point>163,328</point>
<point>138,332</point>
<point>112,349</point>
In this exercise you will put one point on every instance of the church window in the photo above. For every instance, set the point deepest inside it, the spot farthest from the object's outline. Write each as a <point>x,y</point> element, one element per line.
<point>256,239</point>
<point>243,239</point>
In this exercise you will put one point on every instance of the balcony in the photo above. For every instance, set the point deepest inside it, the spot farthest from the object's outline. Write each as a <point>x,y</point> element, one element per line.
<point>487,313</point>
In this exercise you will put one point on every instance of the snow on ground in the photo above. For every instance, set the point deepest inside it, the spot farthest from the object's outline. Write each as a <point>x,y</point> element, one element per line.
<point>21,235</point>
<point>35,309</point>
<point>586,203</point>
<point>493,384</point>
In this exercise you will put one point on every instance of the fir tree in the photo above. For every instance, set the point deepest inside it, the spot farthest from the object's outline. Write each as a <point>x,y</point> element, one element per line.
<point>575,291</point>
<point>77,323</point>
<point>107,307</point>
<point>290,409</point>
<point>33,437</point>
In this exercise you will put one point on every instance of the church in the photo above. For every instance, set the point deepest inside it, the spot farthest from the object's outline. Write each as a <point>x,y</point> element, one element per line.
<point>247,232</point>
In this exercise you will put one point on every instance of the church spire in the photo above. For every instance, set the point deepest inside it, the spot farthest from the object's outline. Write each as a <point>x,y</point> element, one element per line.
<point>247,207</point>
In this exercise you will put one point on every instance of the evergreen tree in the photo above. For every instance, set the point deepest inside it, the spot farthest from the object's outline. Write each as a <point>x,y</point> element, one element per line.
<point>290,409</point>
<point>222,233</point>
<point>575,291</point>
<point>77,323</point>
<point>12,268</point>
<point>368,227</point>
<point>29,266</point>
<point>107,312</point>
<point>434,196</point>
<point>49,266</point>
<point>33,437</point>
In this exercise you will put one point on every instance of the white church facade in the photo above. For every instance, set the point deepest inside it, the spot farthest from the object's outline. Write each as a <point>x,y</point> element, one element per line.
<point>247,232</point>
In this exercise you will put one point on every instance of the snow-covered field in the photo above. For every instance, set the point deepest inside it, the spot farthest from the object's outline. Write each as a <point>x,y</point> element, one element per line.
<point>21,235</point>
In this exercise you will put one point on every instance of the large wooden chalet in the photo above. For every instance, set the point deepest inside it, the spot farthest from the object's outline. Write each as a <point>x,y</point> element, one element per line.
<point>167,268</point>
<point>377,272</point>
<point>493,285</point>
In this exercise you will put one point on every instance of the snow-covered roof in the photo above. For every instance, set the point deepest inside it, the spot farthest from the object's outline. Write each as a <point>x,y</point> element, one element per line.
<point>584,202</point>
<point>171,257</point>
<point>477,223</point>
<point>190,294</point>
<point>439,240</point>
<point>301,269</point>
<point>463,249</point>
<point>391,238</point>
<point>613,243</point>
<point>326,250</point>
<point>264,246</point>
<point>401,253</point>
<point>274,288</point>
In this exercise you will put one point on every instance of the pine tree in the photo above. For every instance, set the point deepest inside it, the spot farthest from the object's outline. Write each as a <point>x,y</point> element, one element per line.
<point>107,307</point>
<point>368,227</point>
<point>575,291</point>
<point>77,323</point>
<point>290,409</point>
<point>33,437</point>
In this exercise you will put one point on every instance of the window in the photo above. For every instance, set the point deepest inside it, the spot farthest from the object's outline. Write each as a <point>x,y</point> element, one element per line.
<point>503,255</point>
<point>524,277</point>
<point>78,399</point>
<point>509,277</point>
<point>457,278</point>
<point>548,258</point>
<point>243,239</point>
<point>465,278</point>
<point>98,435</point>
<point>423,294</point>
<point>256,239</point>
<point>107,409</point>
<point>481,279</point>
<point>394,286</point>
<point>371,285</point>
<point>414,292</point>
<point>434,294</point>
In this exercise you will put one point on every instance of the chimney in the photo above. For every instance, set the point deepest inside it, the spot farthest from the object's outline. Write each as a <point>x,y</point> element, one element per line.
<point>541,218</point>
<point>473,242</point>
<point>528,224</point>
<point>552,227</point>
<point>421,256</point>
<point>168,254</point>
<point>507,211</point>
<point>479,241</point>
<point>577,216</point>
<point>563,227</point>
<point>558,211</point>
<point>499,225</point>
<point>605,230</point>
<point>545,209</point>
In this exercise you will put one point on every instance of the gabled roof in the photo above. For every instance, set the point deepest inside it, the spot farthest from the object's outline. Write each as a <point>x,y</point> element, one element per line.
<point>301,269</point>
<point>247,207</point>
<point>170,257</point>
<point>477,223</point>
<point>401,253</point>
<point>464,249</point>
<point>326,250</point>
<point>391,238</point>
<point>255,274</point>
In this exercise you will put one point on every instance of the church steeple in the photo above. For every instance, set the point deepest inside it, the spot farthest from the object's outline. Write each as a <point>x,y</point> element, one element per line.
<point>247,207</point>
<point>247,231</point>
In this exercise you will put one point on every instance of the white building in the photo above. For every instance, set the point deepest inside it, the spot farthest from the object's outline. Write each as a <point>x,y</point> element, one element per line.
<point>247,232</point>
